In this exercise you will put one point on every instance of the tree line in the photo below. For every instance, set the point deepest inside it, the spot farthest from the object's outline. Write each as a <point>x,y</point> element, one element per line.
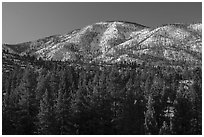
<point>61,99</point>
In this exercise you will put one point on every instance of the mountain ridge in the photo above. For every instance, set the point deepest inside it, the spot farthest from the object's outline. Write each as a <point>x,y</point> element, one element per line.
<point>116,41</point>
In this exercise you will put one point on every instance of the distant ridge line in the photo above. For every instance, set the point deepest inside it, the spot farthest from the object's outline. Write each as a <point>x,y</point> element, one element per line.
<point>128,22</point>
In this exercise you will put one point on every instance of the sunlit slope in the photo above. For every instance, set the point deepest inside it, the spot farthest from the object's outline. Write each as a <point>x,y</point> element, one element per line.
<point>116,41</point>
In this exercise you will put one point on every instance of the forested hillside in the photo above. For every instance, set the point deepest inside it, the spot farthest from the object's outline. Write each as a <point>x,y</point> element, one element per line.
<point>63,98</point>
<point>112,77</point>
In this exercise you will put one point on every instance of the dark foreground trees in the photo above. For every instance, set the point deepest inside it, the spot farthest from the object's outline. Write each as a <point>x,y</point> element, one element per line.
<point>62,99</point>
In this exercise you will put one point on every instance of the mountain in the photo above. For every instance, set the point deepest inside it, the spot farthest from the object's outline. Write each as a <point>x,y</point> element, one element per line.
<point>116,41</point>
<point>109,78</point>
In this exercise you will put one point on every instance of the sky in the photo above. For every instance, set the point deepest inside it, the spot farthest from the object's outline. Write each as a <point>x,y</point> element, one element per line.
<point>22,22</point>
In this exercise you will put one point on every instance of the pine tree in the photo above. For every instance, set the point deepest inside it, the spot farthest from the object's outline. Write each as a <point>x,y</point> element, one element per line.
<point>27,102</point>
<point>165,129</point>
<point>9,107</point>
<point>46,119</point>
<point>54,83</point>
<point>79,107</point>
<point>150,120</point>
<point>197,104</point>
<point>101,105</point>
<point>62,106</point>
<point>63,113</point>
<point>132,117</point>
<point>183,114</point>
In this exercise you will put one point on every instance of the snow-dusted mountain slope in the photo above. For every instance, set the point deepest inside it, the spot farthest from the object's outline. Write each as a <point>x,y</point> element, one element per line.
<point>116,41</point>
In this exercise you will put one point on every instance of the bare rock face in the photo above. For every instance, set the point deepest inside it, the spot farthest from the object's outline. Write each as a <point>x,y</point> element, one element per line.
<point>116,41</point>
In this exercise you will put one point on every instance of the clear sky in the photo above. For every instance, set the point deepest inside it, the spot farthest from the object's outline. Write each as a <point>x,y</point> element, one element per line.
<point>22,22</point>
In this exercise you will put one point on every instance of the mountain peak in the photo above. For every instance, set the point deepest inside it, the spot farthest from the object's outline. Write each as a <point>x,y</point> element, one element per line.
<point>115,41</point>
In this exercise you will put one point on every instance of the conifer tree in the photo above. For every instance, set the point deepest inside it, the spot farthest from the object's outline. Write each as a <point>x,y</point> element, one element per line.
<point>46,118</point>
<point>79,107</point>
<point>165,129</point>
<point>63,113</point>
<point>151,125</point>
<point>183,114</point>
<point>27,102</point>
<point>9,106</point>
<point>63,103</point>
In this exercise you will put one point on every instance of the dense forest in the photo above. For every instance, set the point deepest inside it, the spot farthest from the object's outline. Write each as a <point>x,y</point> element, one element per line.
<point>56,98</point>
